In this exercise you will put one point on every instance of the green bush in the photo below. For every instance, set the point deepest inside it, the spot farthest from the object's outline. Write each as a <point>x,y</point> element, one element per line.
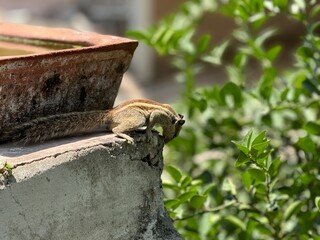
<point>249,154</point>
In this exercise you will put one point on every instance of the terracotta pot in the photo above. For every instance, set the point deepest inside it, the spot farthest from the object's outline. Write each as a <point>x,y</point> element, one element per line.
<point>45,71</point>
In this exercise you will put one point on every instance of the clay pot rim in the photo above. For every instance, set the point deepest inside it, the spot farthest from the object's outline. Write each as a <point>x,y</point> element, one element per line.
<point>88,41</point>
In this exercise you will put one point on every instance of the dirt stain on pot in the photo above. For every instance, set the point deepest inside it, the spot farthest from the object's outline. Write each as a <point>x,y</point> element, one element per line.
<point>120,69</point>
<point>83,94</point>
<point>51,83</point>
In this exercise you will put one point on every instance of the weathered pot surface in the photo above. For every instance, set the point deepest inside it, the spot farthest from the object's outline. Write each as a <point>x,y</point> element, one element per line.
<point>47,71</point>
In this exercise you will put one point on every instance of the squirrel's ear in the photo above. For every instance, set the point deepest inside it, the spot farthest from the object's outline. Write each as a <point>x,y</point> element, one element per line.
<point>180,115</point>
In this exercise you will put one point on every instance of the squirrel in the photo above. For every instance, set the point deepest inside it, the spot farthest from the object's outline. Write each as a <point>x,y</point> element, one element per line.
<point>128,116</point>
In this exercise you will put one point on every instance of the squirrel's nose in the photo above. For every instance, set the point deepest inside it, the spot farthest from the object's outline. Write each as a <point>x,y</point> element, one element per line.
<point>181,122</point>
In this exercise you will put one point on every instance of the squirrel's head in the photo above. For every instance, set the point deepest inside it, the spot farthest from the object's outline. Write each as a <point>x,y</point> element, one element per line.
<point>177,124</point>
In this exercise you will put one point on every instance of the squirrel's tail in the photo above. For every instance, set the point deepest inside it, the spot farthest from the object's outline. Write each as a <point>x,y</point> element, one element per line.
<point>54,126</point>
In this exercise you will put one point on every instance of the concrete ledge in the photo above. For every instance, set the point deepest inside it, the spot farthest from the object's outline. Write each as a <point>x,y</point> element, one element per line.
<point>89,187</point>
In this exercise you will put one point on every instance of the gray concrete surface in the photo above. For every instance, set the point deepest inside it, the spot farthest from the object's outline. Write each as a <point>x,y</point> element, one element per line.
<point>87,187</point>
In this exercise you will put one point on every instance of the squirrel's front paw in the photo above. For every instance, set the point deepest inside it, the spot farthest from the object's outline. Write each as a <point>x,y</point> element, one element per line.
<point>126,137</point>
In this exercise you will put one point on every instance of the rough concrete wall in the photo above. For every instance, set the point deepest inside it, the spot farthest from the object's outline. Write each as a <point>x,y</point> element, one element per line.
<point>106,190</point>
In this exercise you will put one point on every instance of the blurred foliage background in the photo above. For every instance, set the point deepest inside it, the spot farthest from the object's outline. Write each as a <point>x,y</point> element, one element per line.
<point>246,165</point>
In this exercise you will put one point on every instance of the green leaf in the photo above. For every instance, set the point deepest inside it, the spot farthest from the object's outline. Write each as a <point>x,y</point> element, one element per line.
<point>266,119</point>
<point>257,174</point>
<point>186,44</point>
<point>260,138</point>
<point>242,12</point>
<point>9,166</point>
<point>314,237</point>
<point>197,182</point>
<point>236,222</point>
<point>251,224</point>
<point>317,202</point>
<point>264,36</point>
<point>274,52</point>
<point>247,139</point>
<point>174,172</point>
<point>263,156</point>
<point>313,128</point>
<point>138,35</point>
<point>216,53</point>
<point>246,179</point>
<point>305,53</point>
<point>243,149</point>
<point>197,201</point>
<point>167,36</point>
<point>205,225</point>
<point>199,102</point>
<point>282,4</point>
<point>258,19</point>
<point>228,186</point>
<point>274,167</point>
<point>233,90</point>
<point>293,208</point>
<point>266,230</point>
<point>240,60</point>
<point>261,189</point>
<point>307,144</point>
<point>241,35</point>
<point>261,146</point>
<point>305,179</point>
<point>233,189</point>
<point>172,203</point>
<point>299,77</point>
<point>266,82</point>
<point>244,145</point>
<point>236,75</point>
<point>242,159</point>
<point>185,181</point>
<point>170,186</point>
<point>203,43</point>
<point>186,196</point>
<point>284,94</point>
<point>310,86</point>
<point>158,34</point>
<point>209,188</point>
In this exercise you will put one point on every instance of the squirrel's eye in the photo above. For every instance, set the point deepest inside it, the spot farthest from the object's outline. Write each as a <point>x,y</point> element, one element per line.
<point>173,121</point>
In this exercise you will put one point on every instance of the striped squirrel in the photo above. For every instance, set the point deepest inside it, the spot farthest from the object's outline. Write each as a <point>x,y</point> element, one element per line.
<point>126,117</point>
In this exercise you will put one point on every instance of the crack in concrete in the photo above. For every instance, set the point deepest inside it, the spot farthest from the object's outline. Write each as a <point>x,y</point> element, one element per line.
<point>21,213</point>
<point>61,153</point>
